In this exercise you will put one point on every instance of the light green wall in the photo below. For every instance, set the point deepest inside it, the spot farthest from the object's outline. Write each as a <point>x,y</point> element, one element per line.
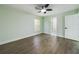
<point>15,24</point>
<point>47,24</point>
<point>42,24</point>
<point>71,12</point>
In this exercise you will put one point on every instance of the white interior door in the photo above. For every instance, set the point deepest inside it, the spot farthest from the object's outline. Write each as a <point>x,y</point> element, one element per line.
<point>72,27</point>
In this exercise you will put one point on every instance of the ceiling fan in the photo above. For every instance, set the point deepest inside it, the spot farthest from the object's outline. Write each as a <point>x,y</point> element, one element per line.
<point>43,8</point>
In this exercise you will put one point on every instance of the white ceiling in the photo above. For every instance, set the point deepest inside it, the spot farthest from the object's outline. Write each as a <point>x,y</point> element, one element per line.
<point>57,8</point>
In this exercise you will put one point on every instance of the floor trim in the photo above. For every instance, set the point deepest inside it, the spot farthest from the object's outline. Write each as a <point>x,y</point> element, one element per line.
<point>61,36</point>
<point>7,41</point>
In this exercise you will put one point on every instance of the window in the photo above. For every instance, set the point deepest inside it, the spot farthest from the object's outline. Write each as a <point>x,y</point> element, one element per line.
<point>54,25</point>
<point>37,25</point>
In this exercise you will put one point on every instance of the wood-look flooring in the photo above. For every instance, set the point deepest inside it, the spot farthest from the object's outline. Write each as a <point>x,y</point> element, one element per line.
<point>41,44</point>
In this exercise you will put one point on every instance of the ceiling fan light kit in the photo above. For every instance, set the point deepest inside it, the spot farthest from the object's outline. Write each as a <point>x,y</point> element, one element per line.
<point>43,8</point>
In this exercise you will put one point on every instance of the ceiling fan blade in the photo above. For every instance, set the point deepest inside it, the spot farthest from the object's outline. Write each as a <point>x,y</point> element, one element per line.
<point>37,8</point>
<point>48,9</point>
<point>39,11</point>
<point>42,7</point>
<point>46,5</point>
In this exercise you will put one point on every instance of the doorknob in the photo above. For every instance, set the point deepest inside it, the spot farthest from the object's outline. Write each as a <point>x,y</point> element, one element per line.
<point>65,28</point>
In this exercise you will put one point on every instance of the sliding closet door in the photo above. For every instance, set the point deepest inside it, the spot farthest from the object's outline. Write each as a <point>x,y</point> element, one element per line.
<point>72,27</point>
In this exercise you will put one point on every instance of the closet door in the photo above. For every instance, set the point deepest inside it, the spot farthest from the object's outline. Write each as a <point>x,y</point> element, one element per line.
<point>72,27</point>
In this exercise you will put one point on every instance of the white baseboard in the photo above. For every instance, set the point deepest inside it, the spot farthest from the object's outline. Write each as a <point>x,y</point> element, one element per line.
<point>7,41</point>
<point>61,36</point>
<point>55,34</point>
<point>72,39</point>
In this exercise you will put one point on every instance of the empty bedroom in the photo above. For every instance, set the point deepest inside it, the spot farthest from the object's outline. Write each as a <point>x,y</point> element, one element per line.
<point>39,28</point>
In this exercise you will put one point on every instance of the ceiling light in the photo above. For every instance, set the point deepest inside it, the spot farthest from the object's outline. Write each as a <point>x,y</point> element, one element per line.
<point>43,10</point>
